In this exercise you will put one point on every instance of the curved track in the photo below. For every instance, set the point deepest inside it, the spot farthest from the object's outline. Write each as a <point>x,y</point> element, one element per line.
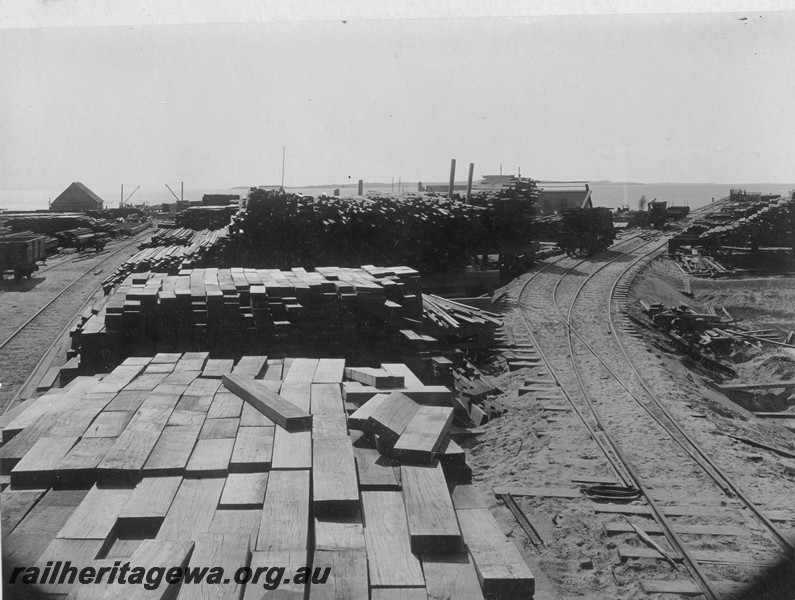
<point>586,299</point>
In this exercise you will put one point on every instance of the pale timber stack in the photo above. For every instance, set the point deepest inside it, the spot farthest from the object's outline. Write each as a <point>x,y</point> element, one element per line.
<point>185,460</point>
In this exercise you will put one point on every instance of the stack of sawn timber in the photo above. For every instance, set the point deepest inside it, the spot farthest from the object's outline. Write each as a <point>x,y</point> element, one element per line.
<point>238,309</point>
<point>464,326</point>
<point>169,251</point>
<point>184,460</point>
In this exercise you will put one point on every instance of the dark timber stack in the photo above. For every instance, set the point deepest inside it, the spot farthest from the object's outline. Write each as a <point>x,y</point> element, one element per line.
<point>162,462</point>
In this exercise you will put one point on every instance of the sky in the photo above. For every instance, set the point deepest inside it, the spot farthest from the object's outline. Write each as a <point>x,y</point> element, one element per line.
<point>650,98</point>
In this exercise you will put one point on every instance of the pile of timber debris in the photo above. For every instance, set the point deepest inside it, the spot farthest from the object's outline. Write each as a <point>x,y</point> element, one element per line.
<point>181,460</point>
<point>464,325</point>
<point>170,251</point>
<point>710,331</point>
<point>695,263</point>
<point>427,233</point>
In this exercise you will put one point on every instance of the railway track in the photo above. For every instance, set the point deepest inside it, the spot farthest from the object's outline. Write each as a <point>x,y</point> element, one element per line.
<point>22,350</point>
<point>585,297</point>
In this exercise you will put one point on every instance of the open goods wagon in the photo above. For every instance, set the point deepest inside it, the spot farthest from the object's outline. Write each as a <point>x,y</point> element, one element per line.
<point>20,253</point>
<point>586,231</point>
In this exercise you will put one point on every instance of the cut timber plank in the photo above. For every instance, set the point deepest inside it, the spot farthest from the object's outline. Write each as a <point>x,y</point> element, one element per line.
<point>108,424</point>
<point>390,560</point>
<point>76,469</point>
<point>225,405</point>
<point>390,419</point>
<point>192,510</point>
<point>244,490</point>
<point>15,505</point>
<point>424,434</point>
<point>95,517</point>
<point>466,495</point>
<point>285,513</point>
<point>77,552</point>
<point>335,488</point>
<point>291,561</point>
<point>407,374</point>
<point>332,534</point>
<point>298,394</point>
<point>37,469</point>
<point>451,576</point>
<point>126,401</point>
<point>237,521</point>
<point>150,500</point>
<point>347,571</point>
<point>202,386</point>
<point>251,366</point>
<point>412,593</point>
<point>358,420</point>
<point>376,472</point>
<point>755,386</point>
<point>501,570</point>
<point>151,554</point>
<point>217,550</point>
<point>438,395</point>
<point>219,428</point>
<point>433,527</point>
<point>210,458</point>
<point>327,399</point>
<point>172,451</point>
<point>187,418</point>
<point>688,588</point>
<point>251,417</point>
<point>542,492</point>
<point>301,371</point>
<point>270,404</point>
<point>329,370</point>
<point>216,367</point>
<point>291,449</point>
<point>653,528</point>
<point>379,378</point>
<point>200,404</point>
<point>253,451</point>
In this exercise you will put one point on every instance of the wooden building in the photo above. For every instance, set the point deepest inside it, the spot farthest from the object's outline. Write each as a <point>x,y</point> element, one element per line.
<point>553,196</point>
<point>77,198</point>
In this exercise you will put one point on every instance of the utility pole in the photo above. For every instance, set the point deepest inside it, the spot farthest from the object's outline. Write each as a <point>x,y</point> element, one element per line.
<point>284,150</point>
<point>452,178</point>
<point>469,182</point>
<point>400,182</point>
<point>121,200</point>
<point>182,190</point>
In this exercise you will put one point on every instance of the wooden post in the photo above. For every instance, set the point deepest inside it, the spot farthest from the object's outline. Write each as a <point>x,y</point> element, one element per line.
<point>452,178</point>
<point>121,202</point>
<point>361,187</point>
<point>469,182</point>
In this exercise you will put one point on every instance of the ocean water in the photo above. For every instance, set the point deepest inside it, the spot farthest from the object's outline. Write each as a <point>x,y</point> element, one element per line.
<point>611,195</point>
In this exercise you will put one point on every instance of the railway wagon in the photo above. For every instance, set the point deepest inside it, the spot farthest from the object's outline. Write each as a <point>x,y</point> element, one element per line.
<point>586,231</point>
<point>20,253</point>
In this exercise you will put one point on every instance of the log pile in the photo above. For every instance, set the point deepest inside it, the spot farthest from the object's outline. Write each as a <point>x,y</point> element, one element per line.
<point>156,464</point>
<point>170,251</point>
<point>427,233</point>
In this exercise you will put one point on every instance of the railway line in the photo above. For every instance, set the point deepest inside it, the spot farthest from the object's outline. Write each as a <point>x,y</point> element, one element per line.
<point>642,441</point>
<point>23,349</point>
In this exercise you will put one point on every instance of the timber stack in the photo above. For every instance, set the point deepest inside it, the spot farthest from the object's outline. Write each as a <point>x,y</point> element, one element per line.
<point>183,460</point>
<point>426,233</point>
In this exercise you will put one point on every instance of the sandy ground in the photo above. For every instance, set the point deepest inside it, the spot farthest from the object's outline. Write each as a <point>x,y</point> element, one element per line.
<point>542,443</point>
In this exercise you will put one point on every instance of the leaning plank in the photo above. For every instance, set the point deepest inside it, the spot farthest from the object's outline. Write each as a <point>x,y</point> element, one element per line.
<point>334,484</point>
<point>433,527</point>
<point>390,419</point>
<point>347,570</point>
<point>244,490</point>
<point>424,434</point>
<point>253,451</point>
<point>217,550</point>
<point>172,451</point>
<point>390,561</point>
<point>358,419</point>
<point>210,458</point>
<point>149,502</point>
<point>270,404</point>
<point>285,513</point>
<point>501,570</point>
<point>95,517</point>
<point>192,510</point>
<point>376,472</point>
<point>327,399</point>
<point>329,370</point>
<point>451,576</point>
<point>291,449</point>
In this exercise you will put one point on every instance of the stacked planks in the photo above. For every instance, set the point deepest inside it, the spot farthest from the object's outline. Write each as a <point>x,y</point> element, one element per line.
<point>243,309</point>
<point>159,464</point>
<point>463,325</point>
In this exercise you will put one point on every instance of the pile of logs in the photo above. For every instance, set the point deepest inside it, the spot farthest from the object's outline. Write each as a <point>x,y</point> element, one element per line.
<point>182,460</point>
<point>205,217</point>
<point>170,251</point>
<point>427,233</point>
